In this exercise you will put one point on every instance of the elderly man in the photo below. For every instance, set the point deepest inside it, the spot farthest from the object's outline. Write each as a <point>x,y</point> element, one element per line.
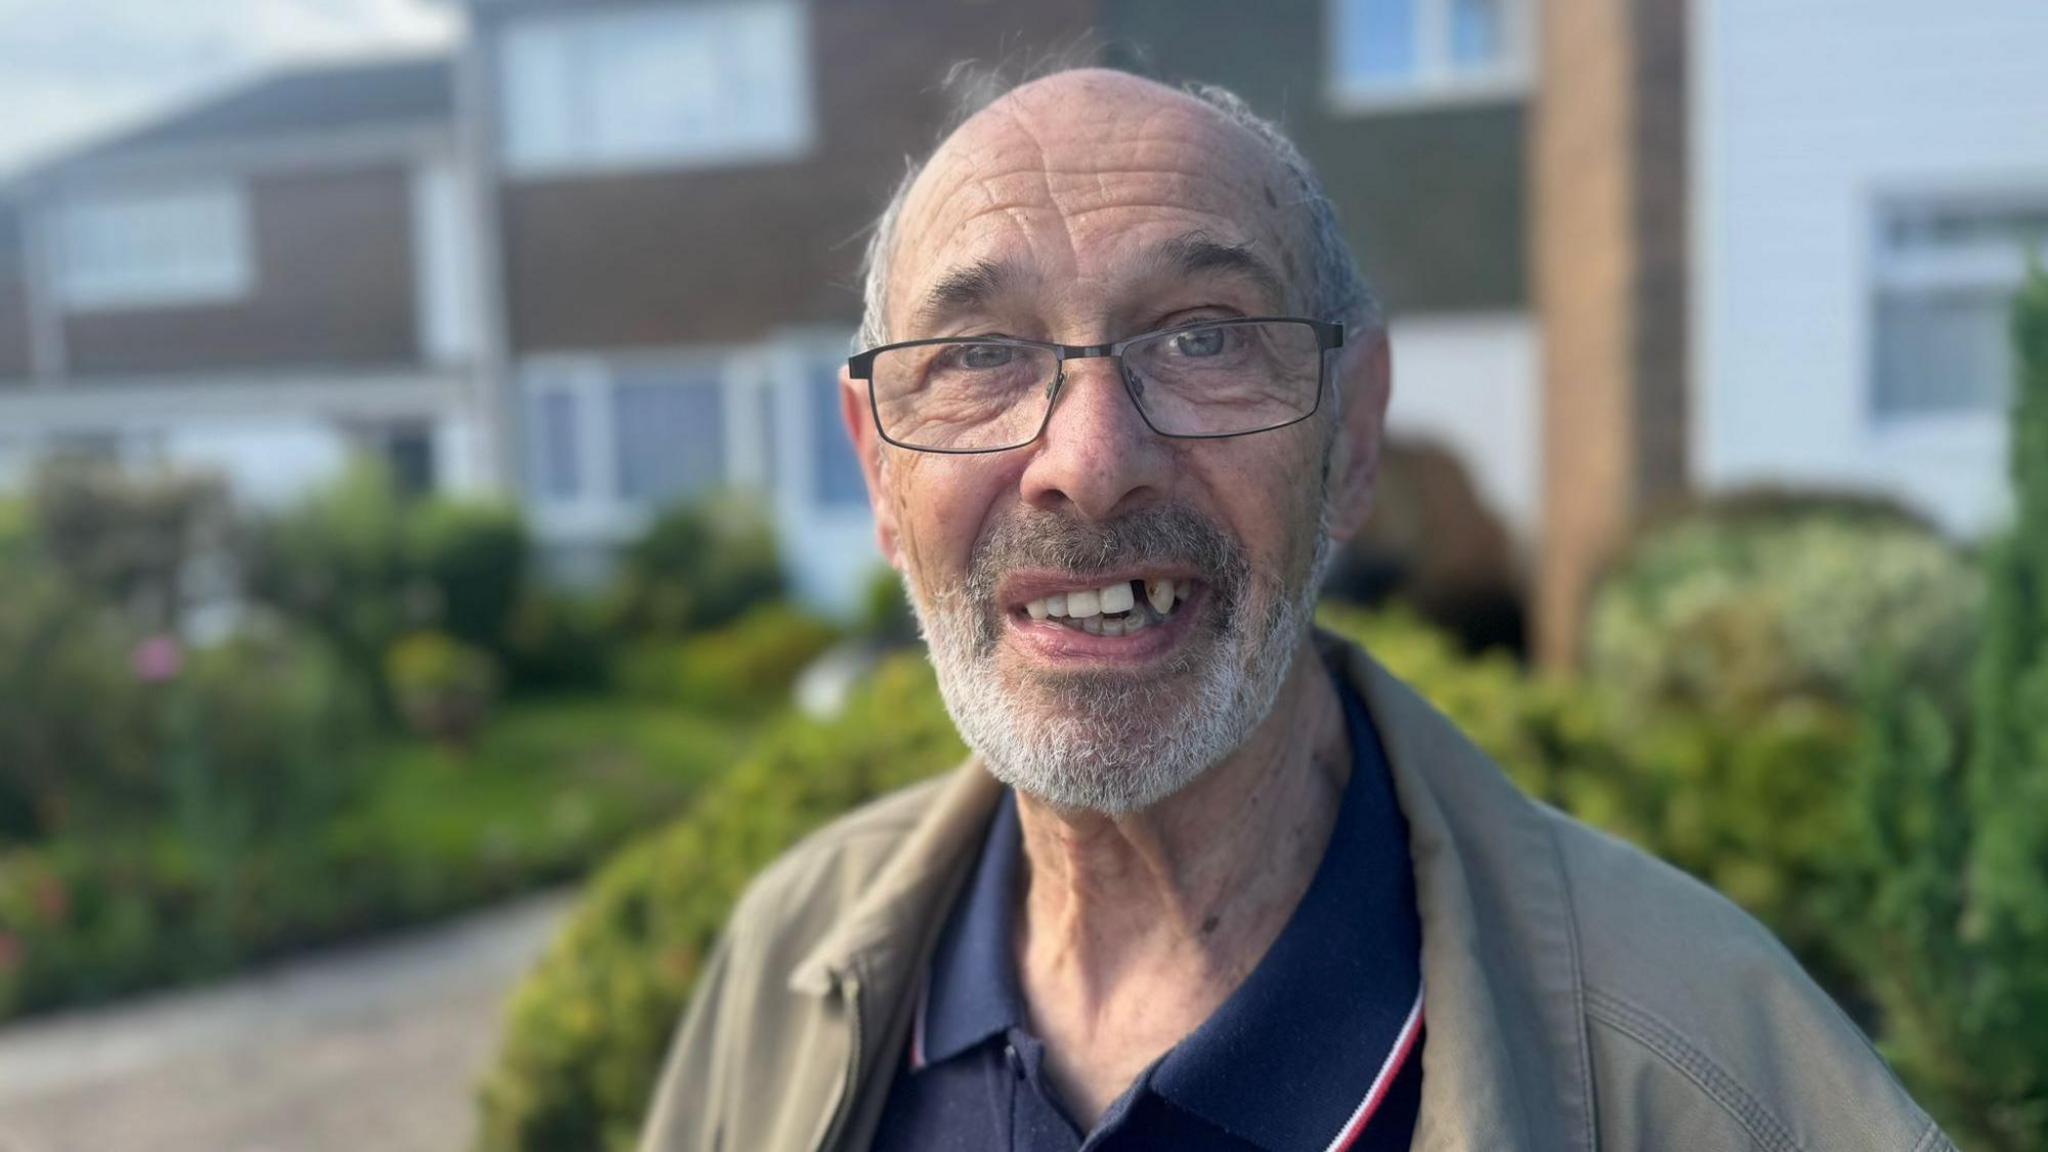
<point>1208,872</point>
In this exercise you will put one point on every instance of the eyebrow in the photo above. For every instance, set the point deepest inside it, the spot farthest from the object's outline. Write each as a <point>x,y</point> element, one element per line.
<point>1195,253</point>
<point>973,287</point>
<point>964,289</point>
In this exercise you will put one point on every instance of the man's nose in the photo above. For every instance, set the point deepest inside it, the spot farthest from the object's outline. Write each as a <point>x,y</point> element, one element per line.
<point>1097,457</point>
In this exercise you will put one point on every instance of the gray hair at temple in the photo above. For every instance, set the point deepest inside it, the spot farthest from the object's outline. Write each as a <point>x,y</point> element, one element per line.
<point>1338,290</point>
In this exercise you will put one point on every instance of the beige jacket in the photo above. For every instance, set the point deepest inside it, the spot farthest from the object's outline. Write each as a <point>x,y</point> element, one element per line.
<point>1581,994</point>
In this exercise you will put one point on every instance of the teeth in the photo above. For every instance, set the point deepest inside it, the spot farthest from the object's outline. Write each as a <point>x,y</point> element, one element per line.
<point>1086,608</point>
<point>1159,594</point>
<point>1116,598</point>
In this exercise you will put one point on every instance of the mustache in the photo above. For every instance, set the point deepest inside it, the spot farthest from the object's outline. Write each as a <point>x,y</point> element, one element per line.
<point>1167,534</point>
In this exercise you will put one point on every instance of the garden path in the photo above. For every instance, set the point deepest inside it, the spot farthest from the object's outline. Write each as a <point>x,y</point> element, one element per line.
<point>375,1046</point>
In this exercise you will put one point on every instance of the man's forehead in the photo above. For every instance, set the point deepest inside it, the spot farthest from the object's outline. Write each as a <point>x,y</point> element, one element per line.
<point>1099,161</point>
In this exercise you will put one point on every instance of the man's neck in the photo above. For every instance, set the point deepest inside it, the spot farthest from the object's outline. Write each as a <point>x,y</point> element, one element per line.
<point>1135,928</point>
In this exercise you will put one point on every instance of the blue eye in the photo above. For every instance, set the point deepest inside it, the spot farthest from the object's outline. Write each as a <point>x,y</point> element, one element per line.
<point>1199,342</point>
<point>986,355</point>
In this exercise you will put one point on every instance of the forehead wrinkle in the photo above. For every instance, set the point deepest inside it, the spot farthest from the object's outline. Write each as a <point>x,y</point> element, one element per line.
<point>1043,181</point>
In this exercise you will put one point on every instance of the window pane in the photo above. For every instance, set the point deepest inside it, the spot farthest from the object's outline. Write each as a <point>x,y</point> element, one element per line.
<point>1376,40</point>
<point>1478,34</point>
<point>1943,351</point>
<point>670,435</point>
<point>837,481</point>
<point>557,464</point>
<point>168,246</point>
<point>669,83</point>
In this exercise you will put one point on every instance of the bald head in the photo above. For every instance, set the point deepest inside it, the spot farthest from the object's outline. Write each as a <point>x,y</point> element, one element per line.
<point>1102,156</point>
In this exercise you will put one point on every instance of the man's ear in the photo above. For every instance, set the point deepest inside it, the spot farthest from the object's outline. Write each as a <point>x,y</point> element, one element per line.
<point>867,445</point>
<point>1365,381</point>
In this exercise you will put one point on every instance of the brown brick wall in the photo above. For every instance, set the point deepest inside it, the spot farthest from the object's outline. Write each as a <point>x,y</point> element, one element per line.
<point>333,288</point>
<point>1608,179</point>
<point>728,253</point>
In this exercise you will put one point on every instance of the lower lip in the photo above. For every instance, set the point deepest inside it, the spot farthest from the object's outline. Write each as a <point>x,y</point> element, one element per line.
<point>1058,644</point>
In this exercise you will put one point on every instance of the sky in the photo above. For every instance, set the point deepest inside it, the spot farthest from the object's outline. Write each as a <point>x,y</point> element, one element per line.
<point>72,70</point>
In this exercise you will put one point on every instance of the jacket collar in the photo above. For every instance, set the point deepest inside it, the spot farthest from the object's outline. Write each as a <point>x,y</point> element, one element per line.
<point>1507,1065</point>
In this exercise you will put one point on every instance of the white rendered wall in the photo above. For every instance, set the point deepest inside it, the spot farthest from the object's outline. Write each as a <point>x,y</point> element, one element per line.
<point>1805,115</point>
<point>1470,384</point>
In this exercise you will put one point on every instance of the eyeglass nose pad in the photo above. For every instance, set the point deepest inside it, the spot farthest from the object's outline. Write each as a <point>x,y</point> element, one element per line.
<point>1134,383</point>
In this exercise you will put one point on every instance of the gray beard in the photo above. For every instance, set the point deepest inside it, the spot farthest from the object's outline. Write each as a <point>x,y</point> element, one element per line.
<point>1114,742</point>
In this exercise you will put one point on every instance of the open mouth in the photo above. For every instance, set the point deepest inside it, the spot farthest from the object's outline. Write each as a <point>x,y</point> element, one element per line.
<point>1117,608</point>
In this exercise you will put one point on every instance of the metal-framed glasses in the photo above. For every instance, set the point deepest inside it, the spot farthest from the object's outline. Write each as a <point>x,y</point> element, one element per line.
<point>1200,381</point>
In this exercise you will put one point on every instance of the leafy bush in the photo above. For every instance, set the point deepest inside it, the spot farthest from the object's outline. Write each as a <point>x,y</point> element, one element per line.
<point>587,1030</point>
<point>363,566</point>
<point>696,567</point>
<point>885,615</point>
<point>1758,597</point>
<point>745,667</point>
<point>76,725</point>
<point>443,688</point>
<point>128,542</point>
<point>557,642</point>
<point>1956,822</point>
<point>473,557</point>
<point>548,789</point>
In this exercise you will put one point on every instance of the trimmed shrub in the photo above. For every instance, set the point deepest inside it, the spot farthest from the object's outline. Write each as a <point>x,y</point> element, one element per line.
<point>1761,597</point>
<point>746,667</point>
<point>585,1033</point>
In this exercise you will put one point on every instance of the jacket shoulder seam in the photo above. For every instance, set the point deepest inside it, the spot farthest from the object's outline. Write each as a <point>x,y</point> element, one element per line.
<point>1705,1073</point>
<point>1579,991</point>
<point>1933,1140</point>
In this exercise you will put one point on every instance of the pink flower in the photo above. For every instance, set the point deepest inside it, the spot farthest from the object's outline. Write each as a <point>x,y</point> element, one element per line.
<point>157,659</point>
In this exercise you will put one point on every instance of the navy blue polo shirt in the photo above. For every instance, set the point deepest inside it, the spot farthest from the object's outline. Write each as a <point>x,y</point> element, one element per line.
<point>1318,1050</point>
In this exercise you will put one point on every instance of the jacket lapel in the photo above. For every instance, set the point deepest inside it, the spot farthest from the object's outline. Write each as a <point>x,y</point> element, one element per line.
<point>864,971</point>
<point>1507,1063</point>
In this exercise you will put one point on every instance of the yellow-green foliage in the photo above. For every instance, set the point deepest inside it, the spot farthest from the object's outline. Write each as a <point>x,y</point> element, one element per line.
<point>586,1031</point>
<point>746,666</point>
<point>443,687</point>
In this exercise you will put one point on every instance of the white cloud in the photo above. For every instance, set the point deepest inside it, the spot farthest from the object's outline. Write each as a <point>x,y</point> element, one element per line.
<point>72,69</point>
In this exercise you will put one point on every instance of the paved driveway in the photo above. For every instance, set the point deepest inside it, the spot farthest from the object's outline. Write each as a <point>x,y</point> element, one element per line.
<point>378,1047</point>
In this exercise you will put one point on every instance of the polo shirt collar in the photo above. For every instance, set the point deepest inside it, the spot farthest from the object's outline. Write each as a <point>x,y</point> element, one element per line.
<point>972,992</point>
<point>1300,1053</point>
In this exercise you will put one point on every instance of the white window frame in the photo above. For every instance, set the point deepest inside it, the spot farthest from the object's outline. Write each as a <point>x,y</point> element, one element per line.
<point>1991,265</point>
<point>1437,79</point>
<point>151,212</point>
<point>543,135</point>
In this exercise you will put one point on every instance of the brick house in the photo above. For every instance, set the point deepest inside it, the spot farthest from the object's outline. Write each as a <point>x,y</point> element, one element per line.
<point>262,283</point>
<point>605,258</point>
